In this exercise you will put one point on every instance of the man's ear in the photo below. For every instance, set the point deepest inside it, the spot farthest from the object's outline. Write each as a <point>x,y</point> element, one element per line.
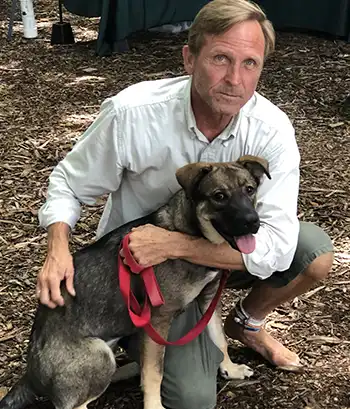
<point>188,59</point>
<point>189,176</point>
<point>257,166</point>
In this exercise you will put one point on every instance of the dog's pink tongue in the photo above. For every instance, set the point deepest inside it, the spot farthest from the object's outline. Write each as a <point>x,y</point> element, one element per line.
<point>245,244</point>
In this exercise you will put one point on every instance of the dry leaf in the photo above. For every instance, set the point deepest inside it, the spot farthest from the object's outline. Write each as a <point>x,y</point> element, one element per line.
<point>3,391</point>
<point>278,325</point>
<point>324,340</point>
<point>89,69</point>
<point>336,124</point>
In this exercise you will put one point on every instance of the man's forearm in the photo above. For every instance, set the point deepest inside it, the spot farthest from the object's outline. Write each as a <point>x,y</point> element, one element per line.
<point>201,251</point>
<point>58,236</point>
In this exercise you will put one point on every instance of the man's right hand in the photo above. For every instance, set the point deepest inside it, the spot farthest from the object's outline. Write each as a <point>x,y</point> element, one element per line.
<point>58,266</point>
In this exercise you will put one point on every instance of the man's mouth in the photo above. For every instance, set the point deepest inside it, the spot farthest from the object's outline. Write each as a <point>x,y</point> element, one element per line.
<point>227,95</point>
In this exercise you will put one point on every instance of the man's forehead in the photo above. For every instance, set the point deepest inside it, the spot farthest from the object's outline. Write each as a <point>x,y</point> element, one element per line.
<point>239,35</point>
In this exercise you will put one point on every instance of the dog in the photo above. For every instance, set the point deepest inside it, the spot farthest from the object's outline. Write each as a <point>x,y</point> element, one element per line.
<point>70,359</point>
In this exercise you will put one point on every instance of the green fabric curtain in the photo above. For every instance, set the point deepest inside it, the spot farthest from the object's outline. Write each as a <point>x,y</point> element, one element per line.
<point>326,16</point>
<point>120,18</point>
<point>85,8</point>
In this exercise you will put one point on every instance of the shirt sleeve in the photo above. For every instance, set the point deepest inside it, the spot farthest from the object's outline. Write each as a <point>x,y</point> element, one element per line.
<point>277,199</point>
<point>92,168</point>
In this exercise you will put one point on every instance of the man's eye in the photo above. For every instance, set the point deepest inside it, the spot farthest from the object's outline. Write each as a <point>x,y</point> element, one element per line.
<point>250,63</point>
<point>220,58</point>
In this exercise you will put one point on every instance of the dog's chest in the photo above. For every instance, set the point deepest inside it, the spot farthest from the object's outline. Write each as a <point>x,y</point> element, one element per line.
<point>211,275</point>
<point>195,290</point>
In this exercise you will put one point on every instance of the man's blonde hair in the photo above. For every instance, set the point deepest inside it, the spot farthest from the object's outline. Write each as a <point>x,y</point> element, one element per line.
<point>218,16</point>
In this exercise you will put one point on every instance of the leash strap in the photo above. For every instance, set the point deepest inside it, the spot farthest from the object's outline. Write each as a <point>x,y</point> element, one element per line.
<point>141,317</point>
<point>198,328</point>
<point>149,279</point>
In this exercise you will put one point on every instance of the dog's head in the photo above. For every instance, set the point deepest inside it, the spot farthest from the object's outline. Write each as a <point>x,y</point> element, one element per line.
<point>223,195</point>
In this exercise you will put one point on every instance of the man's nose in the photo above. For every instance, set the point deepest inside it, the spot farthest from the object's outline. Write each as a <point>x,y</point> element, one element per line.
<point>233,75</point>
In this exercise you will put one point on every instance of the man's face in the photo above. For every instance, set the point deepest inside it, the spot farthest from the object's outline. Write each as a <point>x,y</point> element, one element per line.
<point>227,70</point>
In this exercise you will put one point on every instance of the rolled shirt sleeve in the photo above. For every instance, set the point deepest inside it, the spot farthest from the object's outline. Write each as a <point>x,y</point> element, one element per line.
<point>92,168</point>
<point>277,199</point>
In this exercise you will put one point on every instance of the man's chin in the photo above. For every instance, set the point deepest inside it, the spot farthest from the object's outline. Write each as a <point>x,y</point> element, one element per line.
<point>227,109</point>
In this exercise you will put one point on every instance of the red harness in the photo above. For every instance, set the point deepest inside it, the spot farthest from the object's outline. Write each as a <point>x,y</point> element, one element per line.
<point>141,316</point>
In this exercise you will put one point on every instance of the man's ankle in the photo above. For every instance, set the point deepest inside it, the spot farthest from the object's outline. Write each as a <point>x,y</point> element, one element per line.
<point>241,317</point>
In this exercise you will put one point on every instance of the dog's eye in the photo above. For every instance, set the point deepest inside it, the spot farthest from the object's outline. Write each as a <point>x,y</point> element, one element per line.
<point>219,196</point>
<point>250,190</point>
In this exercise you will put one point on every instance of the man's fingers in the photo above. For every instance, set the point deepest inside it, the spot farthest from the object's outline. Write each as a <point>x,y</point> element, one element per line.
<point>138,228</point>
<point>38,291</point>
<point>142,227</point>
<point>55,291</point>
<point>70,284</point>
<point>45,297</point>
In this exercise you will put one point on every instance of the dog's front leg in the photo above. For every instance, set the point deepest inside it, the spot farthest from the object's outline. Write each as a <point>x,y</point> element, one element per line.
<point>152,365</point>
<point>228,369</point>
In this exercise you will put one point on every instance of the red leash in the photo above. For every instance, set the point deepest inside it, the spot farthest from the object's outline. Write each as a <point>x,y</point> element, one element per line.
<point>141,317</point>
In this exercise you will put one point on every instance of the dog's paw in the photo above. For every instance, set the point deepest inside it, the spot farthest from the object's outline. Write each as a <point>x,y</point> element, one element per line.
<point>160,406</point>
<point>229,370</point>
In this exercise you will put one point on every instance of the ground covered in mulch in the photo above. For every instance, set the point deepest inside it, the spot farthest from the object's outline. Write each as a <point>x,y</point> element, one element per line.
<point>48,97</point>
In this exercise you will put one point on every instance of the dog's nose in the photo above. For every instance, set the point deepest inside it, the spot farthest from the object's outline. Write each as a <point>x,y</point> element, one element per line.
<point>252,222</point>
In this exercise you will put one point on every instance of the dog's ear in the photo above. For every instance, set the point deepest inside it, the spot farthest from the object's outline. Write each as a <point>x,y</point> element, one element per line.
<point>257,166</point>
<point>189,176</point>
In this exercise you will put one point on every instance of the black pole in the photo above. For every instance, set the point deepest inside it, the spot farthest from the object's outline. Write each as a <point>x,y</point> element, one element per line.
<point>60,11</point>
<point>12,18</point>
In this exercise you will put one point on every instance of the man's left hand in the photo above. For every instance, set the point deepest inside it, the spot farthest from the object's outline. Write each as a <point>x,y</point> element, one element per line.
<point>151,245</point>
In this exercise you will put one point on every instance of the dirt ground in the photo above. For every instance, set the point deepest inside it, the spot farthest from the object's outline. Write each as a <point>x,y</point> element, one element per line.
<point>48,97</point>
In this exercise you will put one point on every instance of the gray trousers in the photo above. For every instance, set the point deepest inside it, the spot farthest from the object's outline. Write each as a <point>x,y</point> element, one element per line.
<point>190,371</point>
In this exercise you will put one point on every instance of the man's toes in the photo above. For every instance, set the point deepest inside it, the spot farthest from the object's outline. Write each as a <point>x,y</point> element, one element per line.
<point>285,358</point>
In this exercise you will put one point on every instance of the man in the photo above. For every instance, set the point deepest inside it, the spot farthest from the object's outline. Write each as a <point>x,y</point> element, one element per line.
<point>131,151</point>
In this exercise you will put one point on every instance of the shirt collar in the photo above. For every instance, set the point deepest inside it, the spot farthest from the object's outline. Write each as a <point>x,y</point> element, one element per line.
<point>191,122</point>
<point>228,132</point>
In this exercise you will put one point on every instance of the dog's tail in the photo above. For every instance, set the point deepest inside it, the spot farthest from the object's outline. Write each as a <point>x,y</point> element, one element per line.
<point>19,396</point>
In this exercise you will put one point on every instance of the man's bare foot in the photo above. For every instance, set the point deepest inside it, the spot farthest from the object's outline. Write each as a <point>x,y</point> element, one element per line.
<point>263,343</point>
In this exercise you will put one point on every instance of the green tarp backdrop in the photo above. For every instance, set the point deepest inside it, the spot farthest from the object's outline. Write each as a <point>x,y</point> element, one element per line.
<point>120,18</point>
<point>326,16</point>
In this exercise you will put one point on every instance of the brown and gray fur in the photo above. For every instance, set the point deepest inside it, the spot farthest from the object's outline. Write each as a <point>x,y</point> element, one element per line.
<point>70,358</point>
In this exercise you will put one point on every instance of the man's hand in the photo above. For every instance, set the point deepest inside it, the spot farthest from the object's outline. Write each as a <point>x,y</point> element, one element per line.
<point>151,245</point>
<point>58,266</point>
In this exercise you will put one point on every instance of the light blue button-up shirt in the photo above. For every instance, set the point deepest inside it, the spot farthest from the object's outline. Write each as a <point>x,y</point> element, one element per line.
<point>146,132</point>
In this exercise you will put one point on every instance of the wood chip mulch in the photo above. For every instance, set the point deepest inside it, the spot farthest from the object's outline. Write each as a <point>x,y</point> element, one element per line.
<point>49,96</point>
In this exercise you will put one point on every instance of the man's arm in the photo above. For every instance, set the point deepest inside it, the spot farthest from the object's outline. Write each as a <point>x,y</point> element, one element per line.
<point>277,200</point>
<point>151,245</point>
<point>58,266</point>
<point>93,168</point>
<point>203,252</point>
